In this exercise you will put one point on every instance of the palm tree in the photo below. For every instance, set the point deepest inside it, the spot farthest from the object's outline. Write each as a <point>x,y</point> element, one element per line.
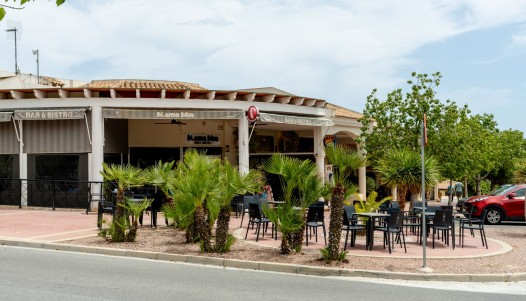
<point>161,175</point>
<point>344,160</point>
<point>124,177</point>
<point>402,168</point>
<point>232,183</point>
<point>301,187</point>
<point>196,181</point>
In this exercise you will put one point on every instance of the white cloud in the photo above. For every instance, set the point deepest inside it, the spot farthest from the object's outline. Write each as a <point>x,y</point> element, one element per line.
<point>336,50</point>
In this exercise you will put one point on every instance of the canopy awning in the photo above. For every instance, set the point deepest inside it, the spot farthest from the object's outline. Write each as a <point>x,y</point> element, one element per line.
<point>300,120</point>
<point>50,114</point>
<point>5,116</point>
<point>169,114</point>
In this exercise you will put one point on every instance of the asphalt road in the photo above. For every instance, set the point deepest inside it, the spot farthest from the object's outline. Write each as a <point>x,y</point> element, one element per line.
<point>34,274</point>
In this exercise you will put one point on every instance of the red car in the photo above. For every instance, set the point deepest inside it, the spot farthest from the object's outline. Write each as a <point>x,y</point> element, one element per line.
<point>506,206</point>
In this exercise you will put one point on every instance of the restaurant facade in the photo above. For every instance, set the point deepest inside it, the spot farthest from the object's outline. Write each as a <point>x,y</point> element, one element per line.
<point>66,132</point>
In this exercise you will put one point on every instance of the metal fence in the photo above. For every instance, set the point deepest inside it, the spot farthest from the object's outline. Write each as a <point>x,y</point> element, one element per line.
<point>50,193</point>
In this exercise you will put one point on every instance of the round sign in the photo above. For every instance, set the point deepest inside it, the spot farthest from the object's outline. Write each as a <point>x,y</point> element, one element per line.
<point>252,113</point>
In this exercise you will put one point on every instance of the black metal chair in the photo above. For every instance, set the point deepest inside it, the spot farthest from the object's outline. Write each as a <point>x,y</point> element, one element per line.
<point>412,223</point>
<point>350,224</point>
<point>443,222</point>
<point>473,225</point>
<point>315,219</point>
<point>384,206</point>
<point>394,226</point>
<point>105,207</point>
<point>255,218</point>
<point>247,199</point>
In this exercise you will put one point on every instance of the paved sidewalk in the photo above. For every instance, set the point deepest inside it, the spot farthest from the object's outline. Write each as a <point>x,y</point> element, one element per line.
<point>46,225</point>
<point>46,229</point>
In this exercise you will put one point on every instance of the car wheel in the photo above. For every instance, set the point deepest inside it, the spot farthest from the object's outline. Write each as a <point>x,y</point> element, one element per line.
<point>494,216</point>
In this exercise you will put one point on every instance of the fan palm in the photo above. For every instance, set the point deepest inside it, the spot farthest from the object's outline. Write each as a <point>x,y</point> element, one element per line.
<point>301,187</point>
<point>161,175</point>
<point>124,177</point>
<point>344,160</point>
<point>196,181</point>
<point>232,183</point>
<point>402,168</point>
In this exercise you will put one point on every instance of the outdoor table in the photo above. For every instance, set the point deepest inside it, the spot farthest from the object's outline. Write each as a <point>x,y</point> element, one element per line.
<point>276,203</point>
<point>369,227</point>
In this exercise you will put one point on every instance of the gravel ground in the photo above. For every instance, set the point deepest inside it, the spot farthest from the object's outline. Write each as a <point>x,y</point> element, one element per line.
<point>169,240</point>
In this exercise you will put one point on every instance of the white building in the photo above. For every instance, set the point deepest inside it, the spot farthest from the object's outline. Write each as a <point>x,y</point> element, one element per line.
<point>61,129</point>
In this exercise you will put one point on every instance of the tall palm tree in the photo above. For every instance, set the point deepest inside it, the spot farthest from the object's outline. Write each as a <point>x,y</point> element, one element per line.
<point>232,183</point>
<point>124,177</point>
<point>344,160</point>
<point>402,168</point>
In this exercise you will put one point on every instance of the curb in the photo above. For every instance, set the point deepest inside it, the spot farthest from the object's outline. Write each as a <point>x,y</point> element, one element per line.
<point>267,266</point>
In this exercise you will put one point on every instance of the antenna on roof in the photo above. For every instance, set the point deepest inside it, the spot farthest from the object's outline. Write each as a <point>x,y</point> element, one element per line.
<point>14,32</point>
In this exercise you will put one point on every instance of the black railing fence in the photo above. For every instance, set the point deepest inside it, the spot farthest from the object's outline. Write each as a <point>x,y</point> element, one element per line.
<point>50,193</point>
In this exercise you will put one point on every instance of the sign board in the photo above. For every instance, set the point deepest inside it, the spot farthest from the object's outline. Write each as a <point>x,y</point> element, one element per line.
<point>50,114</point>
<point>252,114</point>
<point>203,139</point>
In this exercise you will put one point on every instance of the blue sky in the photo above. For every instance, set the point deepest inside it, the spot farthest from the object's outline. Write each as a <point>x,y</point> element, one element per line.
<point>334,50</point>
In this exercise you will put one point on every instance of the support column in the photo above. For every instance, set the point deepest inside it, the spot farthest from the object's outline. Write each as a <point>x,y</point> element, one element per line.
<point>319,151</point>
<point>97,153</point>
<point>243,145</point>
<point>362,187</point>
<point>362,176</point>
<point>97,143</point>
<point>394,194</point>
<point>22,167</point>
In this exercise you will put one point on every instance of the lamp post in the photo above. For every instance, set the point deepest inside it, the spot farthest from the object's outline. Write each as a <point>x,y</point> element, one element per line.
<point>35,52</point>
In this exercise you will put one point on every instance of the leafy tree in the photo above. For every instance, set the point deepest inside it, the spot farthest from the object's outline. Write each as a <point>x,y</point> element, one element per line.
<point>22,2</point>
<point>343,160</point>
<point>511,147</point>
<point>519,175</point>
<point>461,143</point>
<point>124,177</point>
<point>395,123</point>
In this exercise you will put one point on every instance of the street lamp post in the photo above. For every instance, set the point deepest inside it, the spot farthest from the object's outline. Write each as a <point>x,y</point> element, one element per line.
<point>35,52</point>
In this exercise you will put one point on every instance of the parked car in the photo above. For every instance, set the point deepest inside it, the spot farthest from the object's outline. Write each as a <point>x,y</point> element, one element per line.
<point>496,191</point>
<point>508,205</point>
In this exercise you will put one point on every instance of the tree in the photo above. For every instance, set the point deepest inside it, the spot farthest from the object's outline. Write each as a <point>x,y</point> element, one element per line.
<point>301,188</point>
<point>402,169</point>
<point>22,2</point>
<point>231,183</point>
<point>395,123</point>
<point>196,195</point>
<point>511,148</point>
<point>344,160</point>
<point>124,177</point>
<point>461,143</point>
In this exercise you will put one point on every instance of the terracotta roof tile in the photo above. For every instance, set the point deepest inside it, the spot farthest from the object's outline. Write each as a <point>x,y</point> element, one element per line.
<point>142,84</point>
<point>46,80</point>
<point>343,112</point>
